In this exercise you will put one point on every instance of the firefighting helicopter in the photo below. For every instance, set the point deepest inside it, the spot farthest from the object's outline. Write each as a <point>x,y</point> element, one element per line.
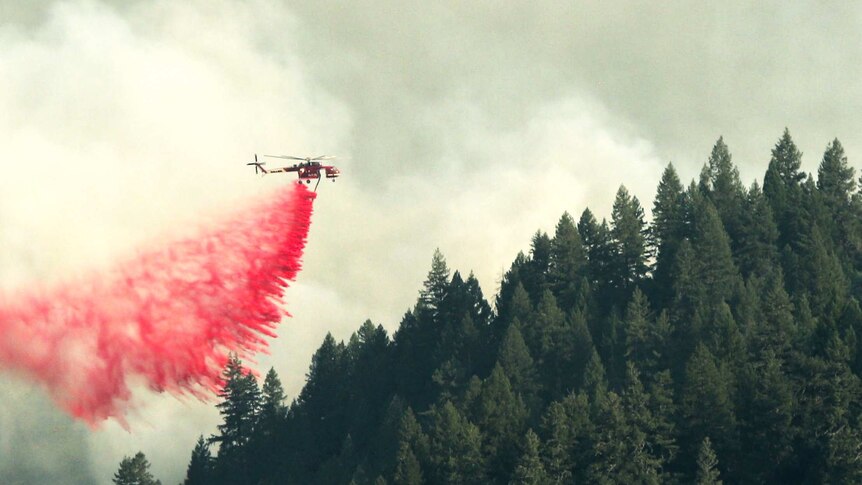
<point>307,169</point>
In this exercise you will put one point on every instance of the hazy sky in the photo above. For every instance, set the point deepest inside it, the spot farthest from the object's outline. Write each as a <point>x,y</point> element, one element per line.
<point>464,126</point>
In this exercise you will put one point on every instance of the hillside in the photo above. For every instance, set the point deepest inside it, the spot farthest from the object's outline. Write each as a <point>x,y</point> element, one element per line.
<point>719,342</point>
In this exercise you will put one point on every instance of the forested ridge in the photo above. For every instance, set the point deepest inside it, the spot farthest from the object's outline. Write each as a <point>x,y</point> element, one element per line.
<point>720,342</point>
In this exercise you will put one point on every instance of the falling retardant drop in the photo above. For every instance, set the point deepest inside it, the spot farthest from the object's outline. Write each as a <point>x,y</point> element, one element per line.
<point>169,316</point>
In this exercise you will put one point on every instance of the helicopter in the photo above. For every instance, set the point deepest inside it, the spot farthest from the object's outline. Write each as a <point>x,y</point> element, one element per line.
<point>307,169</point>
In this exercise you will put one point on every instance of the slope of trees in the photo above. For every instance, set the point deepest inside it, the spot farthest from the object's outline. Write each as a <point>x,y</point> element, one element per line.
<point>722,343</point>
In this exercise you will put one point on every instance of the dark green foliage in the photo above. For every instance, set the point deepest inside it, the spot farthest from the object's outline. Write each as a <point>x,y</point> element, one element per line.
<point>707,404</point>
<point>455,446</point>
<point>667,232</point>
<point>707,465</point>
<point>568,435</point>
<point>629,232</point>
<point>568,263</point>
<point>782,187</point>
<point>240,408</point>
<point>515,360</point>
<point>621,452</point>
<point>530,470</point>
<point>200,470</point>
<point>135,471</point>
<point>501,415</point>
<point>754,247</point>
<point>723,342</point>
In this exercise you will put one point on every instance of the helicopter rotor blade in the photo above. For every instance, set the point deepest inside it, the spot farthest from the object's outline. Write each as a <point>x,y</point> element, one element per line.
<point>287,157</point>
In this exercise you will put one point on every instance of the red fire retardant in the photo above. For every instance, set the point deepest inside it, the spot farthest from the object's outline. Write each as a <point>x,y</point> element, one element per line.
<point>168,317</point>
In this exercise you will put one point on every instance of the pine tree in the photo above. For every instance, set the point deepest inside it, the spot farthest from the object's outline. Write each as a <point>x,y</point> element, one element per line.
<point>638,331</point>
<point>667,231</point>
<point>835,178</point>
<point>714,262</point>
<point>455,446</point>
<point>272,405</point>
<point>567,449</point>
<point>239,407</point>
<point>630,236</point>
<point>725,188</point>
<point>765,414</point>
<point>782,187</point>
<point>707,404</point>
<point>599,245</point>
<point>514,357</point>
<point>707,465</point>
<point>135,471</point>
<point>530,470</point>
<point>621,455</point>
<point>754,248</point>
<point>408,471</point>
<point>568,263</point>
<point>200,470</point>
<point>435,285</point>
<point>501,415</point>
<point>534,275</point>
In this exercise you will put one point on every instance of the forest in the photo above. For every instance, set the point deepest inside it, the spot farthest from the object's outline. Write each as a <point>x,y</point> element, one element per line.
<point>720,342</point>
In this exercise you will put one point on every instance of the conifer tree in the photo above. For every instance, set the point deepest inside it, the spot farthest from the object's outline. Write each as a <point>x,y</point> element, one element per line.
<point>714,263</point>
<point>272,407</point>
<point>455,446</point>
<point>638,331</point>
<point>530,470</point>
<point>135,471</point>
<point>568,263</point>
<point>629,235</point>
<point>667,231</point>
<point>707,465</point>
<point>598,243</point>
<point>515,360</point>
<point>435,285</point>
<point>765,414</point>
<point>534,275</point>
<point>501,416</point>
<point>707,403</point>
<point>782,187</point>
<point>239,407</point>
<point>621,454</point>
<point>754,248</point>
<point>567,448</point>
<point>200,470</point>
<point>408,471</point>
<point>725,188</point>
<point>835,178</point>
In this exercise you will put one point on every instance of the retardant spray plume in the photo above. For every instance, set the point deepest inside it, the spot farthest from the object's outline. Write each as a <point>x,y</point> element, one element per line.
<point>171,315</point>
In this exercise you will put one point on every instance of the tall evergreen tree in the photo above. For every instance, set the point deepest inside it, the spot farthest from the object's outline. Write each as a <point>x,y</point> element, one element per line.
<point>568,447</point>
<point>530,470</point>
<point>501,416</point>
<point>239,407</point>
<point>707,404</point>
<point>707,465</point>
<point>621,453</point>
<point>782,187</point>
<point>568,263</point>
<point>629,233</point>
<point>714,263</point>
<point>754,248</point>
<point>200,470</point>
<point>725,188</point>
<point>135,471</point>
<point>515,360</point>
<point>455,446</point>
<point>667,231</point>
<point>598,242</point>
